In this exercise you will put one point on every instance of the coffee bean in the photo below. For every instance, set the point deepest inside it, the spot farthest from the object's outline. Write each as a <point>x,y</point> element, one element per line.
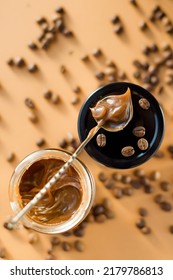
<point>118,192</point>
<point>127,151</point>
<point>29,103</point>
<point>75,100</point>
<point>169,29</point>
<point>127,191</point>
<point>33,46</point>
<point>67,33</point>
<point>101,218</point>
<point>90,218</point>
<point>60,10</point>
<point>85,58</point>
<point>40,142</point>
<point>11,157</point>
<point>32,238</point>
<point>109,214</point>
<point>55,99</point>
<point>98,209</point>
<point>41,20</point>
<point>47,94</point>
<point>63,69</point>
<point>139,172</point>
<point>117,176</point>
<point>118,29</point>
<point>143,212</point>
<point>3,253</point>
<point>97,52</point>
<point>79,245</point>
<point>159,198</point>
<point>166,206</point>
<point>133,2</point>
<point>109,184</point>
<point>102,176</point>
<point>140,223</point>
<point>148,189</point>
<point>55,240</point>
<point>145,181</point>
<point>45,44</point>
<point>171,229</point>
<point>165,186</point>
<point>139,131</point>
<point>32,68</point>
<point>146,230</point>
<point>77,89</point>
<point>101,140</point>
<point>99,75</point>
<point>155,175</point>
<point>136,184</point>
<point>170,149</point>
<point>32,117</point>
<point>19,62</point>
<point>142,144</point>
<point>10,61</point>
<point>115,19</point>
<point>126,179</point>
<point>144,103</point>
<point>66,246</point>
<point>79,232</point>
<point>143,25</point>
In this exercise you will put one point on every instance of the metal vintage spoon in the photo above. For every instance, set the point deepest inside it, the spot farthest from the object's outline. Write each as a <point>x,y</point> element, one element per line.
<point>112,113</point>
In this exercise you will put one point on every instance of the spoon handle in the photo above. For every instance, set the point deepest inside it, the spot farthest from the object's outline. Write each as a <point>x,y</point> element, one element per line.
<point>14,220</point>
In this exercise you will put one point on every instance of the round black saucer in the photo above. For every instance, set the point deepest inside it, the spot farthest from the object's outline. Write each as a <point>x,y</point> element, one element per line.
<point>110,155</point>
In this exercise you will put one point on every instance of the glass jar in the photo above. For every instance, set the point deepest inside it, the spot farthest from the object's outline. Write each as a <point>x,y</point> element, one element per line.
<point>86,182</point>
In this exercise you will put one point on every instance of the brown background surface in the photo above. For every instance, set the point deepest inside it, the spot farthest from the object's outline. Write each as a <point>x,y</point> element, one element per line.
<point>90,21</point>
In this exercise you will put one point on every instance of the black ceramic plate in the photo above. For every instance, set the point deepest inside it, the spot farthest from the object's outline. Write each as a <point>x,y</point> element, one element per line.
<point>110,155</point>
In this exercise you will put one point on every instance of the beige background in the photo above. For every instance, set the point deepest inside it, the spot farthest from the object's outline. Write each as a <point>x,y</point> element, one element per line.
<point>90,21</point>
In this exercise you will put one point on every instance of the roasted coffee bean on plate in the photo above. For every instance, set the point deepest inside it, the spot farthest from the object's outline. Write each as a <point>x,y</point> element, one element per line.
<point>101,140</point>
<point>142,144</point>
<point>144,103</point>
<point>139,131</point>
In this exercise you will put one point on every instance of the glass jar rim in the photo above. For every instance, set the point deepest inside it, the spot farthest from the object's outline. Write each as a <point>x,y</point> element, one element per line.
<point>87,183</point>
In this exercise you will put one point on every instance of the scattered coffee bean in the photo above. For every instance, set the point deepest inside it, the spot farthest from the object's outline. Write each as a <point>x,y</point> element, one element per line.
<point>55,99</point>
<point>128,151</point>
<point>40,142</point>
<point>166,206</point>
<point>75,100</point>
<point>10,61</point>
<point>55,240</point>
<point>41,20</point>
<point>99,75</point>
<point>118,192</point>
<point>133,2</point>
<point>102,176</point>
<point>139,172</point>
<point>171,229</point>
<point>66,246</point>
<point>128,191</point>
<point>60,10</point>
<point>32,238</point>
<point>139,131</point>
<point>136,184</point>
<point>109,214</point>
<point>170,149</point>
<point>142,144</point>
<point>90,218</point>
<point>115,19</point>
<point>32,68</point>
<point>29,103</point>
<point>32,117</point>
<point>165,186</point>
<point>126,179</point>
<point>77,89</point>
<point>67,33</point>
<point>19,62</point>
<point>98,209</point>
<point>47,94</point>
<point>117,176</point>
<point>79,232</point>
<point>63,69</point>
<point>146,230</point>
<point>11,157</point>
<point>109,184</point>
<point>159,198</point>
<point>97,52</point>
<point>101,218</point>
<point>101,140</point>
<point>79,245</point>
<point>144,103</point>
<point>155,175</point>
<point>33,46</point>
<point>118,29</point>
<point>85,58</point>
<point>143,212</point>
<point>3,253</point>
<point>148,189</point>
<point>140,223</point>
<point>143,25</point>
